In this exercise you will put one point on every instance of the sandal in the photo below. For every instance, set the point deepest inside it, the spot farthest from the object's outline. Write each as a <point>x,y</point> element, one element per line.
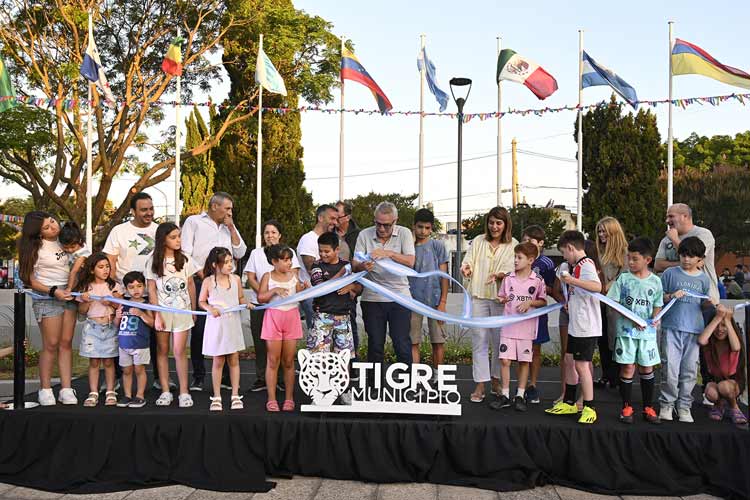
<point>272,406</point>
<point>165,399</point>
<point>110,398</point>
<point>288,405</point>
<point>237,403</point>
<point>738,418</point>
<point>185,400</point>
<point>716,413</point>
<point>476,398</point>
<point>215,404</point>
<point>92,400</point>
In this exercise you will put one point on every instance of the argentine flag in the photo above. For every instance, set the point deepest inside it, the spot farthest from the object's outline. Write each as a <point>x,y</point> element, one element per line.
<point>595,74</point>
<point>431,74</point>
<point>267,76</point>
<point>92,70</point>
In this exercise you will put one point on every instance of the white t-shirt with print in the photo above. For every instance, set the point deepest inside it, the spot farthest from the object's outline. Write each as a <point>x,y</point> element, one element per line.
<point>51,268</point>
<point>172,288</point>
<point>308,245</point>
<point>132,245</point>
<point>583,308</point>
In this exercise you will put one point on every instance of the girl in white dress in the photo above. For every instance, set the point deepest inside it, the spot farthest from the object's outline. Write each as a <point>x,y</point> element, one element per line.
<point>223,333</point>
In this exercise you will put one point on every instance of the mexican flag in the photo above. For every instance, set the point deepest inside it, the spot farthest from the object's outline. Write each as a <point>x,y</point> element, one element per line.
<point>7,92</point>
<point>172,63</point>
<point>511,66</point>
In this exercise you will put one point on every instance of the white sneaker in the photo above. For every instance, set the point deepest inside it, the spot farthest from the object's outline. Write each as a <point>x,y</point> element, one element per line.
<point>185,400</point>
<point>666,413</point>
<point>707,402</point>
<point>165,399</point>
<point>68,396</point>
<point>46,397</point>
<point>684,415</point>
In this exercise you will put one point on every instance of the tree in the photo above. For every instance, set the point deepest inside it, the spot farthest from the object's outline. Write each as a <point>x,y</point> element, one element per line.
<point>522,216</point>
<point>43,45</point>
<point>621,165</point>
<point>9,232</point>
<point>704,153</point>
<point>306,54</point>
<point>363,208</point>
<point>198,172</point>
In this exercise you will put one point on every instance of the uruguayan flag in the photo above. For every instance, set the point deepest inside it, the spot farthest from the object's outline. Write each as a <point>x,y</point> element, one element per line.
<point>267,76</point>
<point>431,73</point>
<point>92,70</point>
<point>595,74</point>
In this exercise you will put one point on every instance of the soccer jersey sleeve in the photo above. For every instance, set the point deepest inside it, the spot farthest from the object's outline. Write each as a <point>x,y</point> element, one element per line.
<point>658,293</point>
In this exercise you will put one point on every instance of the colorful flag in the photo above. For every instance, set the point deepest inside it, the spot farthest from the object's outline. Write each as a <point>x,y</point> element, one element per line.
<point>172,63</point>
<point>352,69</point>
<point>595,74</point>
<point>431,73</point>
<point>267,76</point>
<point>690,59</point>
<point>92,69</point>
<point>7,92</point>
<point>511,66</point>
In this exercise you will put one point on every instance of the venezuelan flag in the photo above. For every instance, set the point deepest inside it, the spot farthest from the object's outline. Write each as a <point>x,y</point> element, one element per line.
<point>690,59</point>
<point>352,69</point>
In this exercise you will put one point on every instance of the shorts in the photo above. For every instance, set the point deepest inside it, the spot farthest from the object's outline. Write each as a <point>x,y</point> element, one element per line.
<point>435,329</point>
<point>130,357</point>
<point>564,318</point>
<point>281,325</point>
<point>643,352</point>
<point>98,340</point>
<point>51,308</point>
<point>330,330</point>
<point>516,349</point>
<point>582,348</point>
<point>177,322</point>
<point>542,334</point>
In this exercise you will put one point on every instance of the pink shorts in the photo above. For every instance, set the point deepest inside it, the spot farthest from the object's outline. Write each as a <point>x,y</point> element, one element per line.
<point>516,349</point>
<point>281,325</point>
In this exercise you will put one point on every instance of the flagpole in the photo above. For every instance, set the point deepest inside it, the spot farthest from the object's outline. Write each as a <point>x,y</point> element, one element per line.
<point>579,215</point>
<point>177,171</point>
<point>259,163</point>
<point>89,157</point>
<point>499,135</point>
<point>341,133</point>
<point>670,137</point>
<point>421,123</point>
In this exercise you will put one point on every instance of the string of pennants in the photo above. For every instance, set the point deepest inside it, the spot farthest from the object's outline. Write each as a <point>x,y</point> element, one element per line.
<point>11,218</point>
<point>69,104</point>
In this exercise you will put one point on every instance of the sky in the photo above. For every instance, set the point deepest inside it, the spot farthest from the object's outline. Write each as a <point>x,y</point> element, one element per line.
<point>461,41</point>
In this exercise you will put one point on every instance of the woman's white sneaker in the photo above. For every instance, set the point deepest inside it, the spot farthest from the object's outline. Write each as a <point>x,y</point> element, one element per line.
<point>666,413</point>
<point>684,415</point>
<point>46,397</point>
<point>68,396</point>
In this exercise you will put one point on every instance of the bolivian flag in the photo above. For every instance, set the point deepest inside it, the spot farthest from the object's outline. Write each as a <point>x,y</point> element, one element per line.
<point>511,66</point>
<point>172,63</point>
<point>690,59</point>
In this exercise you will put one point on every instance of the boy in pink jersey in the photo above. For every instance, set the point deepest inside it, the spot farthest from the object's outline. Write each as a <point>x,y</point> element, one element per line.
<point>521,291</point>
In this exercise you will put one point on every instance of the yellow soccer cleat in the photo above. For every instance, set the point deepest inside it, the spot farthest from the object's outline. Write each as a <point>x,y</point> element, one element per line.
<point>588,416</point>
<point>562,408</point>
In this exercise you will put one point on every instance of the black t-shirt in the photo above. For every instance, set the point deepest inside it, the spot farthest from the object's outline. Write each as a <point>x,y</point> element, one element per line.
<point>333,303</point>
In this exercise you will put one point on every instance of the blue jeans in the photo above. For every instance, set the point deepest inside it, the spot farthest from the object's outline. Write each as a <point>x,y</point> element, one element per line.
<point>380,317</point>
<point>680,355</point>
<point>306,307</point>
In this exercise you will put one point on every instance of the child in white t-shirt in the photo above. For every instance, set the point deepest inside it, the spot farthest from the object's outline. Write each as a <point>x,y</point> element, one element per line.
<point>73,242</point>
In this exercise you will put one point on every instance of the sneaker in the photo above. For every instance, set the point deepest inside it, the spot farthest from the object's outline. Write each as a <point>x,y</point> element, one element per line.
<point>532,395</point>
<point>157,385</point>
<point>280,386</point>
<point>707,402</point>
<point>354,375</point>
<point>124,402</point>
<point>196,384</point>
<point>626,415</point>
<point>103,387</point>
<point>650,416</point>
<point>666,413</point>
<point>46,397</point>
<point>519,403</point>
<point>258,386</point>
<point>684,415</point>
<point>226,385</point>
<point>501,402</point>
<point>68,396</point>
<point>137,403</point>
<point>588,416</point>
<point>185,400</point>
<point>563,408</point>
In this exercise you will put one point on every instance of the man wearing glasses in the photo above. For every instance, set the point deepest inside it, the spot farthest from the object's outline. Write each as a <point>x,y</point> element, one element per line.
<point>386,240</point>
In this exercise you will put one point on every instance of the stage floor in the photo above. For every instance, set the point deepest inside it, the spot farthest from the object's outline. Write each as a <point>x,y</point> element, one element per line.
<point>65,448</point>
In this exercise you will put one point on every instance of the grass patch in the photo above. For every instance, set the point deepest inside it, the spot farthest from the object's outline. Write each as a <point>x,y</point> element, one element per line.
<point>80,366</point>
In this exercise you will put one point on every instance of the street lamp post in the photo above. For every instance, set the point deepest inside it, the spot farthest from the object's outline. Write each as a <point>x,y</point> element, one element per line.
<point>459,84</point>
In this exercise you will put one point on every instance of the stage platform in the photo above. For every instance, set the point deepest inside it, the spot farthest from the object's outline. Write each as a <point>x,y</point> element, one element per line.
<point>77,449</point>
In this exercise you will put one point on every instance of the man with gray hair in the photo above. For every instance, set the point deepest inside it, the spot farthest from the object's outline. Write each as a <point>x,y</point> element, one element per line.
<point>200,234</point>
<point>386,240</point>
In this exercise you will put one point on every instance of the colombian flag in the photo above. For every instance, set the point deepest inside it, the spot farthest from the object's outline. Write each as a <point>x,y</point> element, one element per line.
<point>690,59</point>
<point>172,63</point>
<point>352,69</point>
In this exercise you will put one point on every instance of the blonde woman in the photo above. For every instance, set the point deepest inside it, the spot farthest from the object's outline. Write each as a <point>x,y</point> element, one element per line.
<point>488,260</point>
<point>612,248</point>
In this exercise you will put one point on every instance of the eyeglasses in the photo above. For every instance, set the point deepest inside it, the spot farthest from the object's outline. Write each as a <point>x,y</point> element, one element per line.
<point>384,226</point>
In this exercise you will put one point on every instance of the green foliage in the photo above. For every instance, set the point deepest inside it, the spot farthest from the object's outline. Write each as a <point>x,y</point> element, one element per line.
<point>703,153</point>
<point>363,207</point>
<point>9,233</point>
<point>198,172</point>
<point>621,166</point>
<point>522,216</point>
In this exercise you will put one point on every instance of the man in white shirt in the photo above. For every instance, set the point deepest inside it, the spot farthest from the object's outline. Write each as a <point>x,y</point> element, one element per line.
<point>201,233</point>
<point>307,250</point>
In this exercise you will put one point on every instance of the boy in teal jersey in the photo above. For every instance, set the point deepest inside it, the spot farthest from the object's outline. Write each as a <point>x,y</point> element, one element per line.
<point>640,291</point>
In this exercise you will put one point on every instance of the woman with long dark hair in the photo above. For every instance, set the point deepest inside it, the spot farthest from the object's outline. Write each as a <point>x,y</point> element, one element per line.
<point>43,266</point>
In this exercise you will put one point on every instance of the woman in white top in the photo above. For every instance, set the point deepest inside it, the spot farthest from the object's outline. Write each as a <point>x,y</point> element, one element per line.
<point>488,260</point>
<point>43,265</point>
<point>257,265</point>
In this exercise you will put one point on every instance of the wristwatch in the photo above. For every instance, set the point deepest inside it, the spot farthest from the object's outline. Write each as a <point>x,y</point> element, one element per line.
<point>52,291</point>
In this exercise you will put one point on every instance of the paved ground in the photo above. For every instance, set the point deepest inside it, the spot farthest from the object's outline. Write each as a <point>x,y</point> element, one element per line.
<point>307,488</point>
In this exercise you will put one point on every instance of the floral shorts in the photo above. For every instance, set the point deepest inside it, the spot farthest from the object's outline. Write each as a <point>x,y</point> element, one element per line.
<point>330,329</point>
